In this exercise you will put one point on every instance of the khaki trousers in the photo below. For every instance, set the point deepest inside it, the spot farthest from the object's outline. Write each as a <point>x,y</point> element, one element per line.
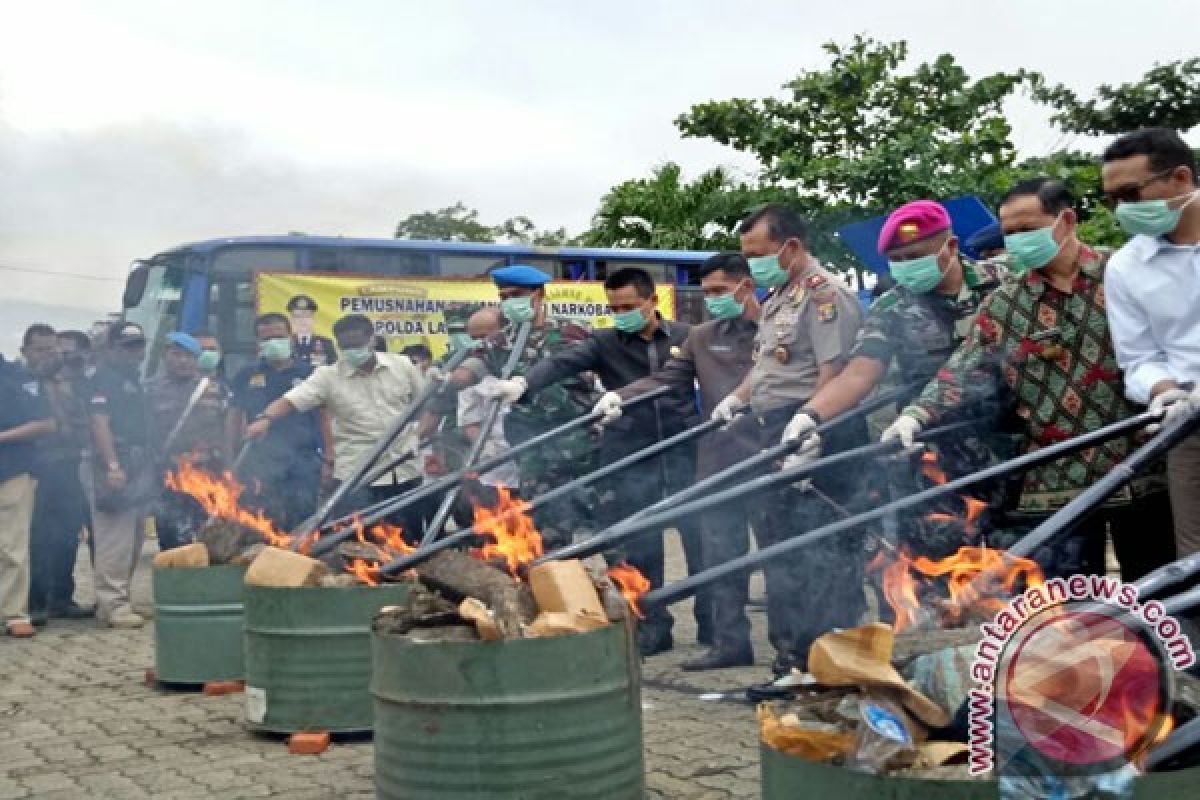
<point>1183,479</point>
<point>118,537</point>
<point>16,513</point>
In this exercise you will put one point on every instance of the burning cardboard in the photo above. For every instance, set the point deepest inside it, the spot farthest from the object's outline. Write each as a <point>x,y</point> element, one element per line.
<point>284,569</point>
<point>189,555</point>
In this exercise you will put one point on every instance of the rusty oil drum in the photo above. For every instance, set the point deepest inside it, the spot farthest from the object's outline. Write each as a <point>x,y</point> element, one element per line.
<point>787,777</point>
<point>308,656</point>
<point>535,719</point>
<point>198,623</point>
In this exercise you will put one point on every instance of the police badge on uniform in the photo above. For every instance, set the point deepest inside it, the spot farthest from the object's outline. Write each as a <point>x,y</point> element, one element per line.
<point>826,312</point>
<point>257,381</point>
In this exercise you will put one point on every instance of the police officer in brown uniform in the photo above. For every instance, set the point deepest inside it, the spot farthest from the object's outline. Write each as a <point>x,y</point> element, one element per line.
<point>807,328</point>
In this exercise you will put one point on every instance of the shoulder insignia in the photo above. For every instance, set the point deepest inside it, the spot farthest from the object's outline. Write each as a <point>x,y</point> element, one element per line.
<point>574,332</point>
<point>676,351</point>
<point>827,311</point>
<point>257,381</point>
<point>816,281</point>
<point>887,300</point>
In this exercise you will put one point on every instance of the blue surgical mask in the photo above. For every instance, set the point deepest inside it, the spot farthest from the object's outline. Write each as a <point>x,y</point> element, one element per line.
<point>357,356</point>
<point>208,360</point>
<point>1032,249</point>
<point>629,321</point>
<point>724,306</point>
<point>517,309</point>
<point>918,275</point>
<point>1151,217</point>
<point>767,271</point>
<point>463,341</point>
<point>277,349</point>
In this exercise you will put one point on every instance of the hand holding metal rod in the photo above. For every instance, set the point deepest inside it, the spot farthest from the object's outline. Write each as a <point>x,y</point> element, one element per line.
<point>688,586</point>
<point>713,482</point>
<point>434,528</point>
<point>463,537</point>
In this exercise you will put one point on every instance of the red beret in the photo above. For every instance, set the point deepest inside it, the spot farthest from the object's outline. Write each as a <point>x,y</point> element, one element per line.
<point>912,222</point>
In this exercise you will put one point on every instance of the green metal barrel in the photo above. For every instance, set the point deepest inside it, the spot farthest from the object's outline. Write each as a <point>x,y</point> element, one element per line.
<point>308,656</point>
<point>786,777</point>
<point>535,719</point>
<point>198,623</point>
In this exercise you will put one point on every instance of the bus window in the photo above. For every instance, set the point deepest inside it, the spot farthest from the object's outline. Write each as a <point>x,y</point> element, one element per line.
<point>156,306</point>
<point>388,262</point>
<point>467,266</point>
<point>246,260</point>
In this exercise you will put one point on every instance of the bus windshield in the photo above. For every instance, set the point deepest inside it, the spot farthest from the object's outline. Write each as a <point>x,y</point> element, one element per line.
<point>152,295</point>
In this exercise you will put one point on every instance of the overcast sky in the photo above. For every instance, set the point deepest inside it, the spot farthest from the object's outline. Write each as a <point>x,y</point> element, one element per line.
<point>127,127</point>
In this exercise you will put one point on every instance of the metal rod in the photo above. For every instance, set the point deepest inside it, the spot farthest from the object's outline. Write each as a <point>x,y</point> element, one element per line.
<point>688,586</point>
<point>632,527</point>
<point>364,466</point>
<point>713,482</point>
<point>465,536</point>
<point>1073,513</point>
<point>485,430</point>
<point>1177,743</point>
<point>339,530</point>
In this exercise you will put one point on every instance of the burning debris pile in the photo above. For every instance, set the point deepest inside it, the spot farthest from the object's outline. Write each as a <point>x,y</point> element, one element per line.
<point>491,592</point>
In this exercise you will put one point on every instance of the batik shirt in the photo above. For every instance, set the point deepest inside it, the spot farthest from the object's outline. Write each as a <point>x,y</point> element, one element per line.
<point>1052,352</point>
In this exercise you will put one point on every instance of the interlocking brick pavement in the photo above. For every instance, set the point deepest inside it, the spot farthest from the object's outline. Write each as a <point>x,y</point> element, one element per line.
<point>77,721</point>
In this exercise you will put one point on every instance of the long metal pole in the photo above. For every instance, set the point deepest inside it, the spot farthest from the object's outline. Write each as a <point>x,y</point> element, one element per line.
<point>688,586</point>
<point>485,430</point>
<point>339,531</point>
<point>364,466</point>
<point>465,536</point>
<point>713,482</point>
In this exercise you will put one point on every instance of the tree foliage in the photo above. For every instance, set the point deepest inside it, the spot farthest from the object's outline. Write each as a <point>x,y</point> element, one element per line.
<point>1168,96</point>
<point>457,223</point>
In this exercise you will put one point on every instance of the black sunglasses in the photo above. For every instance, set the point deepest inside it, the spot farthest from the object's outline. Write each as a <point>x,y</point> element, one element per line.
<point>1133,192</point>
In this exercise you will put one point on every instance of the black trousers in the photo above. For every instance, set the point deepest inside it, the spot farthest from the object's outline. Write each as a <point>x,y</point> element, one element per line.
<point>283,485</point>
<point>59,513</point>
<point>809,591</point>
<point>410,519</point>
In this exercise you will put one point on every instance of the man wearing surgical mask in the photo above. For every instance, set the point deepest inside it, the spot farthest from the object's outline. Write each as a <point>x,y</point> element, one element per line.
<point>283,471</point>
<point>1040,342</point>
<point>1154,295</point>
<point>364,393</point>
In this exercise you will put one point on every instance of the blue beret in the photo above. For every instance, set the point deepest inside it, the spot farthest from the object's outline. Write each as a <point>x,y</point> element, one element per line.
<point>520,275</point>
<point>185,342</point>
<point>989,237</point>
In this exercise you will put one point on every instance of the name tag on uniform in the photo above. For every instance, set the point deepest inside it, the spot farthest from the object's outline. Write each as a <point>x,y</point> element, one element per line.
<point>257,381</point>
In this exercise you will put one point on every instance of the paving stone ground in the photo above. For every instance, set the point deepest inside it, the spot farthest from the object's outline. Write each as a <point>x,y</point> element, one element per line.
<point>77,721</point>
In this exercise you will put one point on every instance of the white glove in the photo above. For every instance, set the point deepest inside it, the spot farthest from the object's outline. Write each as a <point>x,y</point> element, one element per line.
<point>1173,403</point>
<point>508,391</point>
<point>799,428</point>
<point>905,428</point>
<point>435,375</point>
<point>810,451</point>
<point>728,408</point>
<point>610,406</point>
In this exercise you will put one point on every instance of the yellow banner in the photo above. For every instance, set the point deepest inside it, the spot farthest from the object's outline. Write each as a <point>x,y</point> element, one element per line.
<point>409,311</point>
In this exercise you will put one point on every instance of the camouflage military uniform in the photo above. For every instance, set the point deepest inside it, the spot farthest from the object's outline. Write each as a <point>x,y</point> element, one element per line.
<point>915,334</point>
<point>566,457</point>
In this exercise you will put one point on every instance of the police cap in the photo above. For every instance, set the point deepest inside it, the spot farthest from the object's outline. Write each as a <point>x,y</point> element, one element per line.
<point>520,276</point>
<point>301,302</point>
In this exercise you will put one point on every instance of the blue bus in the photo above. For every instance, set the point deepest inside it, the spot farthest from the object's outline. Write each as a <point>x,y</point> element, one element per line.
<point>210,285</point>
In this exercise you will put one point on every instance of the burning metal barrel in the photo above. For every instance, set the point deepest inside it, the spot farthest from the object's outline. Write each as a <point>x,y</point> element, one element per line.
<point>198,623</point>
<point>520,718</point>
<point>308,656</point>
<point>788,777</point>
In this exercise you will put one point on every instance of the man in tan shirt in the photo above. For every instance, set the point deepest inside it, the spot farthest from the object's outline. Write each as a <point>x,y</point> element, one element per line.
<point>363,393</point>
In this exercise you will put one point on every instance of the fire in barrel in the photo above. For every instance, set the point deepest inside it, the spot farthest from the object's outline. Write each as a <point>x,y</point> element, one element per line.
<point>894,711</point>
<point>496,681</point>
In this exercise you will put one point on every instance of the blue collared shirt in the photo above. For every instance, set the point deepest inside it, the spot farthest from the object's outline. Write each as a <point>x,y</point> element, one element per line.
<point>1154,313</point>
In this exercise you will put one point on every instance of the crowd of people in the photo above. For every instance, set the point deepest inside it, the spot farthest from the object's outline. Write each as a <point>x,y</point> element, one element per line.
<point>1048,339</point>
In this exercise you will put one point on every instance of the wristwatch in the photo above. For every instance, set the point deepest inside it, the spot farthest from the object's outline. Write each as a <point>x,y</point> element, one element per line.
<point>114,466</point>
<point>815,416</point>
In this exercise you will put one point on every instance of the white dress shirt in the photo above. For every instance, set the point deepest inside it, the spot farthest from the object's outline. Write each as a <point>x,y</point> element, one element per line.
<point>472,410</point>
<point>363,406</point>
<point>1153,307</point>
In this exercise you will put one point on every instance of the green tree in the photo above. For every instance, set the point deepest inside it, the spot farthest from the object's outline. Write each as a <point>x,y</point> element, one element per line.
<point>1168,96</point>
<point>521,230</point>
<point>456,223</point>
<point>868,134</point>
<point>665,212</point>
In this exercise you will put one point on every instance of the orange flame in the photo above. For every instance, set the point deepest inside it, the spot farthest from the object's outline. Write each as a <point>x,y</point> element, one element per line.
<point>509,524</point>
<point>366,571</point>
<point>977,578</point>
<point>387,539</point>
<point>632,584</point>
<point>930,468</point>
<point>218,496</point>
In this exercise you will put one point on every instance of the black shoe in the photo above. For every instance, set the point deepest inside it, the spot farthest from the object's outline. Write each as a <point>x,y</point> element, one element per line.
<point>760,692</point>
<point>704,635</point>
<point>652,642</point>
<point>73,611</point>
<point>783,665</point>
<point>39,618</point>
<point>719,659</point>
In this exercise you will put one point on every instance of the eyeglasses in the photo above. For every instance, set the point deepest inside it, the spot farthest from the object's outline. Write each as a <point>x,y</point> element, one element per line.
<point>1133,192</point>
